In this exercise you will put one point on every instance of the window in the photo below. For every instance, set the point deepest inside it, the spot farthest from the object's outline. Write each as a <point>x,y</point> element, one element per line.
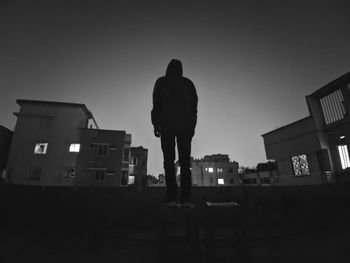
<point>220,170</point>
<point>211,180</point>
<point>125,178</point>
<point>210,169</point>
<point>35,174</point>
<point>126,155</point>
<point>300,165</point>
<point>69,173</point>
<point>100,175</point>
<point>131,179</point>
<point>333,107</point>
<point>133,161</point>
<point>344,156</point>
<point>74,147</point>
<point>230,170</point>
<point>101,149</point>
<point>232,181</point>
<point>40,148</point>
<point>221,181</point>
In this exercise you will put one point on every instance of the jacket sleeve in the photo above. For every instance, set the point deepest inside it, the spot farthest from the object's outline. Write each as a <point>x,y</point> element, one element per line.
<point>194,104</point>
<point>156,110</point>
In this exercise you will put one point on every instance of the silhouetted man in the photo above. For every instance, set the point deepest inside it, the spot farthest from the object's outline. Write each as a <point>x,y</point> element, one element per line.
<point>174,117</point>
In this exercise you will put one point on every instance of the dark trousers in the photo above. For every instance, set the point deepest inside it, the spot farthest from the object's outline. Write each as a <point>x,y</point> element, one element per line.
<point>183,142</point>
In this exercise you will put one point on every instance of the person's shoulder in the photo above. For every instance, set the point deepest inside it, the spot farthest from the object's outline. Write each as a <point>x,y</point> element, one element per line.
<point>187,81</point>
<point>160,80</point>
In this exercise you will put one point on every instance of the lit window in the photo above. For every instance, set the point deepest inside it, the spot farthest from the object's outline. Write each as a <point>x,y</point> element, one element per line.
<point>220,170</point>
<point>210,169</point>
<point>131,179</point>
<point>344,156</point>
<point>220,181</point>
<point>300,165</point>
<point>74,147</point>
<point>40,148</point>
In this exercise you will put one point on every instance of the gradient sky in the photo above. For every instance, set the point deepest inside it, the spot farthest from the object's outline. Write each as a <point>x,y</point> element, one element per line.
<point>252,62</point>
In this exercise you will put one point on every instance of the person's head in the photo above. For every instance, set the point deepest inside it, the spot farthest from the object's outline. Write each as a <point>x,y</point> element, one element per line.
<point>174,69</point>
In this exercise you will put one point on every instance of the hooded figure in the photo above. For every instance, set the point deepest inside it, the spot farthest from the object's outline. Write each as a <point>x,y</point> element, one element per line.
<point>174,117</point>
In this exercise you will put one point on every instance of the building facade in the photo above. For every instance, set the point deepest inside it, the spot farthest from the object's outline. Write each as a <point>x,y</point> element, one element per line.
<point>314,150</point>
<point>5,142</point>
<point>60,144</point>
<point>104,158</point>
<point>138,167</point>
<point>212,170</point>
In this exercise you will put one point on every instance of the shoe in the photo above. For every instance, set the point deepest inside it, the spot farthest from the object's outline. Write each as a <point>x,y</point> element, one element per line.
<point>187,205</point>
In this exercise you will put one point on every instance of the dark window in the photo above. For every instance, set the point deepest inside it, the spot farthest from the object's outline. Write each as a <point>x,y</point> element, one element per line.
<point>126,155</point>
<point>100,175</point>
<point>133,161</point>
<point>34,174</point>
<point>101,149</point>
<point>125,178</point>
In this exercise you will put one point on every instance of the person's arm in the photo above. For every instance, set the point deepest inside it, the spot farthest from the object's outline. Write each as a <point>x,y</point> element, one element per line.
<point>194,104</point>
<point>155,113</point>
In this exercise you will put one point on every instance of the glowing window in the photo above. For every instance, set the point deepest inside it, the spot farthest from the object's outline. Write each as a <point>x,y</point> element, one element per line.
<point>300,165</point>
<point>220,181</point>
<point>344,156</point>
<point>220,170</point>
<point>131,179</point>
<point>210,169</point>
<point>74,147</point>
<point>40,148</point>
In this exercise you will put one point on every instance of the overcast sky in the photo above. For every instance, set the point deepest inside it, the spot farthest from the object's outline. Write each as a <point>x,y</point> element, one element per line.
<point>252,62</point>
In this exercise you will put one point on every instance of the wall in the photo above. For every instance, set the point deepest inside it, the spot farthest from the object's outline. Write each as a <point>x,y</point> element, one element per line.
<point>140,169</point>
<point>5,143</point>
<point>295,139</point>
<point>57,125</point>
<point>89,158</point>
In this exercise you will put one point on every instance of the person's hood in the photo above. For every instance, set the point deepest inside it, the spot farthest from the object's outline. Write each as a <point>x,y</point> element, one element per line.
<point>174,69</point>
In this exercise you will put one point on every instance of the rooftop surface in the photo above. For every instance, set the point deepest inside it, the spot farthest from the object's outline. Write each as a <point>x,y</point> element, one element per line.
<point>304,224</point>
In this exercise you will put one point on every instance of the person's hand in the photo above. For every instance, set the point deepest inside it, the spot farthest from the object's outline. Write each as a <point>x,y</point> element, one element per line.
<point>157,131</point>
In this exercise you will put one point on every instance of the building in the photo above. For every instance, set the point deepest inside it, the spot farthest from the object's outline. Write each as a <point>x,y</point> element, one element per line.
<point>5,142</point>
<point>265,174</point>
<point>60,144</point>
<point>314,150</point>
<point>138,167</point>
<point>103,159</point>
<point>212,170</point>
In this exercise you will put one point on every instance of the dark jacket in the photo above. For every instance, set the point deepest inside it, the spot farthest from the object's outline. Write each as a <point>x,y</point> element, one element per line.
<point>174,101</point>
